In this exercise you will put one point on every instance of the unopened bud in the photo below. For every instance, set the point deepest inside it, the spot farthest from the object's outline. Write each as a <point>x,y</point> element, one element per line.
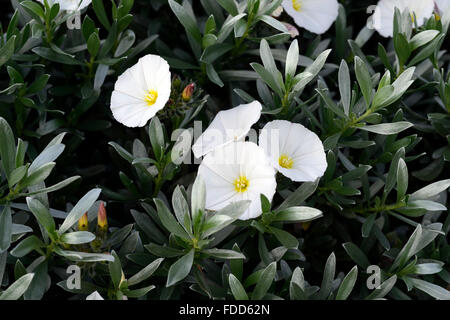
<point>277,12</point>
<point>176,82</point>
<point>188,92</point>
<point>293,31</point>
<point>83,223</point>
<point>306,225</point>
<point>102,221</point>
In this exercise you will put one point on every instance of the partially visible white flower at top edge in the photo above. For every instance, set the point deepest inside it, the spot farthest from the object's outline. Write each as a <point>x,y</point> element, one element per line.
<point>69,5</point>
<point>442,6</point>
<point>235,172</point>
<point>141,91</point>
<point>94,296</point>
<point>383,17</point>
<point>316,16</point>
<point>294,151</point>
<point>227,126</point>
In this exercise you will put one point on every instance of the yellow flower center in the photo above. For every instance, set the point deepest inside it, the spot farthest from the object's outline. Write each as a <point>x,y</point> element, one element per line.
<point>151,97</point>
<point>285,161</point>
<point>297,5</point>
<point>241,184</point>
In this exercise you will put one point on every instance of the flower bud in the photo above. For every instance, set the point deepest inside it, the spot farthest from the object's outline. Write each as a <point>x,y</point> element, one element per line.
<point>188,92</point>
<point>277,12</point>
<point>293,31</point>
<point>102,221</point>
<point>83,223</point>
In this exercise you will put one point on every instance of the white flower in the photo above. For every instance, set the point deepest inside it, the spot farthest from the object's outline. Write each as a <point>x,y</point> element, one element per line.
<point>316,16</point>
<point>294,151</point>
<point>235,172</point>
<point>69,5</point>
<point>383,17</point>
<point>442,6</point>
<point>228,126</point>
<point>141,91</point>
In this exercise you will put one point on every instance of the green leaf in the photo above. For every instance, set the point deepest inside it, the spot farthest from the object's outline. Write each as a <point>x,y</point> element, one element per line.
<point>77,237</point>
<point>5,228</point>
<point>345,88</point>
<point>189,24</point>
<point>7,147</point>
<point>422,38</point>
<point>215,51</point>
<point>17,175</point>
<point>80,208</point>
<point>433,290</point>
<point>402,179</point>
<point>38,175</point>
<point>237,289</point>
<point>265,281</point>
<point>347,284</point>
<point>58,57</point>
<point>145,273</point>
<point>267,58</point>
<point>388,128</point>
<point>356,254</point>
<point>100,12</point>
<point>7,50</point>
<point>328,277</point>
<point>299,195</point>
<point>367,225</point>
<point>292,59</point>
<point>42,215</point>
<point>168,220</point>
<point>115,270</point>
<point>18,288</point>
<point>163,251</point>
<point>285,238</point>
<point>383,289</point>
<point>198,200</point>
<point>224,254</point>
<point>84,256</point>
<point>213,75</point>
<point>364,79</point>
<point>180,269</point>
<point>402,48</point>
<point>274,23</point>
<point>408,249</point>
<point>93,44</point>
<point>26,246</point>
<point>34,9</point>
<point>428,268</point>
<point>48,155</point>
<point>297,214</point>
<point>38,84</point>
<point>268,78</point>
<point>181,208</point>
<point>156,134</point>
<point>224,217</point>
<point>138,292</point>
<point>430,190</point>
<point>230,6</point>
